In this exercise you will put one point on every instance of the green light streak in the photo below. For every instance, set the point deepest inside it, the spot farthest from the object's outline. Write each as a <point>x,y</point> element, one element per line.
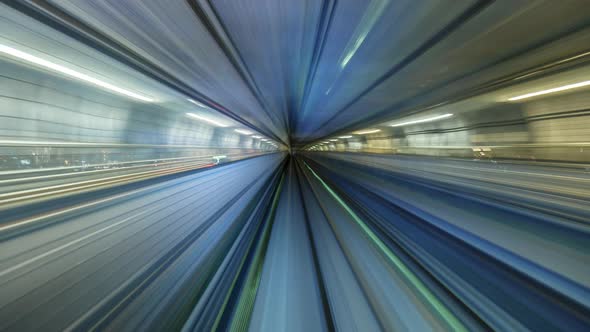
<point>241,318</point>
<point>445,313</point>
<point>370,17</point>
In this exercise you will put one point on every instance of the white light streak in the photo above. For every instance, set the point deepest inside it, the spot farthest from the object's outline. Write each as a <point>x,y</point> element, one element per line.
<point>202,118</point>
<point>197,103</point>
<point>544,92</point>
<point>368,131</point>
<point>70,72</point>
<point>434,118</point>
<point>243,132</point>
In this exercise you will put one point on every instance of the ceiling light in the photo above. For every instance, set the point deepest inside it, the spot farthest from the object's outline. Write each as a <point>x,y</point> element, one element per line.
<point>197,103</point>
<point>213,122</point>
<point>544,92</point>
<point>326,142</point>
<point>243,132</point>
<point>349,136</point>
<point>434,118</point>
<point>255,136</point>
<point>333,140</point>
<point>70,72</point>
<point>368,131</point>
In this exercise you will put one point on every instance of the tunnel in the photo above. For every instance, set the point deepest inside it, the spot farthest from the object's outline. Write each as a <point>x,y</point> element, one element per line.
<point>294,165</point>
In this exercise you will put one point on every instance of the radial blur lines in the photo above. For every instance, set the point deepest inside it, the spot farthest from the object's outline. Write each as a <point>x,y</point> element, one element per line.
<point>294,165</point>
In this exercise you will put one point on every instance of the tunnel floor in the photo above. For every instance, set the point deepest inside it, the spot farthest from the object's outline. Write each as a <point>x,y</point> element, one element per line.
<point>302,244</point>
<point>326,269</point>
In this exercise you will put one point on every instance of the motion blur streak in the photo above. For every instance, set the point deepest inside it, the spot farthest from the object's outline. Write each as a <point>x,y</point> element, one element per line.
<point>282,165</point>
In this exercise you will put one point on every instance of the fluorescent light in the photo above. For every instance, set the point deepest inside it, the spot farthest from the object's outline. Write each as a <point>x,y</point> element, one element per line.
<point>544,92</point>
<point>200,117</point>
<point>326,142</point>
<point>243,132</point>
<point>349,136</point>
<point>197,103</point>
<point>70,72</point>
<point>254,136</point>
<point>333,140</point>
<point>434,118</point>
<point>368,131</point>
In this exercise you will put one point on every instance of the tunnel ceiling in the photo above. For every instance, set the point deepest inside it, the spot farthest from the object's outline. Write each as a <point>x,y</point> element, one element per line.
<point>302,70</point>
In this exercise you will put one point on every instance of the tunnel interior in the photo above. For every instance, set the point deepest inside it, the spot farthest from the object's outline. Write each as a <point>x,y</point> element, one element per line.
<point>294,165</point>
